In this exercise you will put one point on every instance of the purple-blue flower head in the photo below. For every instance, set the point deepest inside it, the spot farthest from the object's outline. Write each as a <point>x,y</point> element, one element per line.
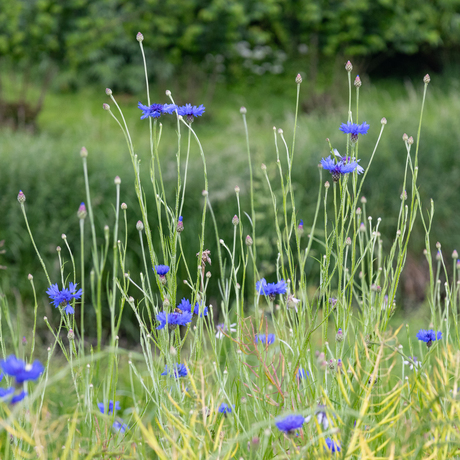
<point>341,167</point>
<point>102,408</point>
<point>332,445</point>
<point>155,110</point>
<point>429,336</point>
<point>173,319</point>
<point>179,370</point>
<point>18,397</point>
<point>265,339</point>
<point>161,270</point>
<point>225,409</point>
<point>290,423</point>
<point>119,427</point>
<point>302,374</point>
<point>186,306</point>
<point>21,371</point>
<point>190,111</point>
<point>353,128</point>
<point>64,297</point>
<point>4,392</point>
<point>271,289</point>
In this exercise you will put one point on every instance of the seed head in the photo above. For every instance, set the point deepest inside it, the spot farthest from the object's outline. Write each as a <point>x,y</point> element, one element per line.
<point>139,226</point>
<point>21,197</point>
<point>348,66</point>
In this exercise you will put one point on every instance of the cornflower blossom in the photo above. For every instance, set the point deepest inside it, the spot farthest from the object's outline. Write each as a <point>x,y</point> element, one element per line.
<point>173,319</point>
<point>222,329</point>
<point>354,129</point>
<point>161,270</point>
<point>414,362</point>
<point>21,371</point>
<point>429,336</point>
<point>225,409</point>
<point>155,110</point>
<point>290,423</point>
<point>7,394</point>
<point>186,306</point>
<point>271,289</point>
<point>343,166</point>
<point>179,370</point>
<point>119,427</point>
<point>302,374</point>
<point>321,417</point>
<point>265,339</point>
<point>332,445</point>
<point>64,297</point>
<point>190,111</point>
<point>111,407</point>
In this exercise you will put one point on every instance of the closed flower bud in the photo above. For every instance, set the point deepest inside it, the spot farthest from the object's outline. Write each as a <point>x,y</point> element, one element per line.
<point>339,336</point>
<point>243,110</point>
<point>235,220</point>
<point>410,141</point>
<point>426,79</point>
<point>139,37</point>
<point>363,200</point>
<point>358,211</point>
<point>348,66</point>
<point>405,137</point>
<point>105,106</point>
<point>58,248</point>
<point>108,91</point>
<point>248,241</point>
<point>403,195</point>
<point>327,184</point>
<point>139,226</point>
<point>204,193</point>
<point>124,206</point>
<point>455,254</point>
<point>166,303</point>
<point>357,82</point>
<point>83,152</point>
<point>348,241</point>
<point>438,255</point>
<point>81,213</point>
<point>30,277</point>
<point>117,180</point>
<point>331,364</point>
<point>180,225</point>
<point>21,197</point>
<point>438,245</point>
<point>383,121</point>
<point>298,79</point>
<point>264,168</point>
<point>71,335</point>
<point>208,275</point>
<point>237,189</point>
<point>362,227</point>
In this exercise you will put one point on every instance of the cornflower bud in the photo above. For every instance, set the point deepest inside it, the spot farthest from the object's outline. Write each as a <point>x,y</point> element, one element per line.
<point>105,106</point>
<point>124,206</point>
<point>339,336</point>
<point>83,152</point>
<point>243,110</point>
<point>348,66</point>
<point>108,91</point>
<point>139,226</point>
<point>358,211</point>
<point>298,79</point>
<point>426,79</point>
<point>410,141</point>
<point>357,82</point>
<point>117,180</point>
<point>455,254</point>
<point>21,197</point>
<point>235,220</point>
<point>383,121</point>
<point>363,200</point>
<point>438,245</point>
<point>348,241</point>
<point>237,189</point>
<point>248,241</point>
<point>139,37</point>
<point>327,184</point>
<point>30,277</point>
<point>71,335</point>
<point>180,225</point>
<point>264,168</point>
<point>81,213</point>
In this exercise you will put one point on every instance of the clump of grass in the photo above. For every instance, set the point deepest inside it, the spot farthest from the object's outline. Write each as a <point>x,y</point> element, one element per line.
<point>304,362</point>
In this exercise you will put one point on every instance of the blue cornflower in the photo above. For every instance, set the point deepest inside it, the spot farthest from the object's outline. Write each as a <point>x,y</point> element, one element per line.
<point>111,407</point>
<point>341,167</point>
<point>302,373</point>
<point>161,270</point>
<point>119,427</point>
<point>262,338</point>
<point>19,397</point>
<point>224,409</point>
<point>179,371</point>
<point>428,336</point>
<point>180,224</point>
<point>300,225</point>
<point>4,392</point>
<point>271,289</point>
<point>17,368</point>
<point>155,110</point>
<point>190,111</point>
<point>332,445</point>
<point>353,128</point>
<point>186,306</point>
<point>173,319</point>
<point>63,297</point>
<point>290,423</point>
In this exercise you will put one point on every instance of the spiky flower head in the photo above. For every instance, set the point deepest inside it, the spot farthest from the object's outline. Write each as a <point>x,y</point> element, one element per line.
<point>290,423</point>
<point>190,111</point>
<point>178,370</point>
<point>82,213</point>
<point>174,319</point>
<point>265,339</point>
<point>21,371</point>
<point>428,336</point>
<point>62,298</point>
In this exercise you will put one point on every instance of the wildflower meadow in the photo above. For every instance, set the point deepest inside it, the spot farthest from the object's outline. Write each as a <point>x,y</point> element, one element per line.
<point>306,360</point>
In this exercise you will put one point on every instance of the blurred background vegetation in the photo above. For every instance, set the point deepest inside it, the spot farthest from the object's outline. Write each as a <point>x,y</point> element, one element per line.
<point>56,59</point>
